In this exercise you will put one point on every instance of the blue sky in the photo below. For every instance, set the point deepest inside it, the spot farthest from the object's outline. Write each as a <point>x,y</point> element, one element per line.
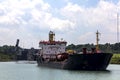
<point>76,21</point>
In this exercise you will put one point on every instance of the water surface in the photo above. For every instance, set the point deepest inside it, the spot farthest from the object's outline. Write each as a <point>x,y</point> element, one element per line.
<point>26,71</point>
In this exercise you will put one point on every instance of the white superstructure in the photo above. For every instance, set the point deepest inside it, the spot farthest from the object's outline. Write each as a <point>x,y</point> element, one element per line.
<point>52,46</point>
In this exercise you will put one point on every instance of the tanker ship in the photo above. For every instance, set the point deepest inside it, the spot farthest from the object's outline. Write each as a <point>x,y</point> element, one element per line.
<point>53,54</point>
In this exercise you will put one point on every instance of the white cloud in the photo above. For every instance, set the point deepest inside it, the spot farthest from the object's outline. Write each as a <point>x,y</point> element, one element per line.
<point>12,10</point>
<point>87,38</point>
<point>25,18</point>
<point>56,23</point>
<point>103,14</point>
<point>102,17</point>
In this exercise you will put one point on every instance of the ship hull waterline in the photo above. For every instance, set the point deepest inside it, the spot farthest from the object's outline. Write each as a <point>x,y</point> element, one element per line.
<point>95,62</point>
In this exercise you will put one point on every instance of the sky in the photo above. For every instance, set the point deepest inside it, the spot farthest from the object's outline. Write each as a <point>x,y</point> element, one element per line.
<point>76,21</point>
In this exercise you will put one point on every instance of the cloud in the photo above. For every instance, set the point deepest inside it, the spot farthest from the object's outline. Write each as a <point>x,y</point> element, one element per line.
<point>87,38</point>
<point>56,23</point>
<point>31,20</point>
<point>19,19</point>
<point>103,14</point>
<point>29,11</point>
<point>102,18</point>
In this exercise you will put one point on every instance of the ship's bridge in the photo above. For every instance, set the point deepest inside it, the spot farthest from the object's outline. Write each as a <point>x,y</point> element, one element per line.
<point>52,46</point>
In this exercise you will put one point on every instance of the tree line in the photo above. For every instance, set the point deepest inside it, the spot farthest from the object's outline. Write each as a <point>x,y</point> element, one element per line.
<point>9,52</point>
<point>111,48</point>
<point>114,48</point>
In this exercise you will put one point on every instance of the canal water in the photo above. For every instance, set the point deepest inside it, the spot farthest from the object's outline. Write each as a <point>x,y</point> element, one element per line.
<point>29,71</point>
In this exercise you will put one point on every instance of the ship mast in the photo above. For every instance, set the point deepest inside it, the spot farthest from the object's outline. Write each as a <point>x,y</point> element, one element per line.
<point>51,36</point>
<point>97,40</point>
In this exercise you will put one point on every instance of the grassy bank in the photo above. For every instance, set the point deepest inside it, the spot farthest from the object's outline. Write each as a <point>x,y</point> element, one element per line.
<point>115,59</point>
<point>4,57</point>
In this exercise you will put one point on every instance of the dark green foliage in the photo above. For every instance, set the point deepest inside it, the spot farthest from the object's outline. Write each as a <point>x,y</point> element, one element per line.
<point>115,59</point>
<point>7,53</point>
<point>112,48</point>
<point>7,49</point>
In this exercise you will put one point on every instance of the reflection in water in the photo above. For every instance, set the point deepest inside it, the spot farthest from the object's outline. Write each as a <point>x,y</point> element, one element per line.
<point>14,71</point>
<point>58,74</point>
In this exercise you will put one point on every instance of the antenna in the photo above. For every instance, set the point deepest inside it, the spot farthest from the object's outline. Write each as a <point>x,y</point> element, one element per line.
<point>97,40</point>
<point>118,27</point>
